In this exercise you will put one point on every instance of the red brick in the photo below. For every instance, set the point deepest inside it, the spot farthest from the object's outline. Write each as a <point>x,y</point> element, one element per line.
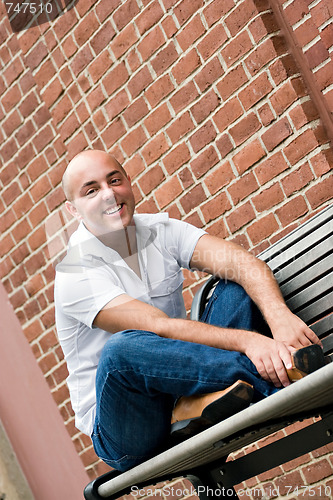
<point>115,78</point>
<point>306,32</point>
<point>133,140</point>
<point>22,205</point>
<point>248,156</point>
<point>205,106</point>
<point>81,60</point>
<point>187,94</point>
<point>282,69</point>
<point>261,56</point>
<point>243,187</point>
<point>135,111</point>
<point>240,217</point>
<point>209,74</point>
<point>216,10</point>
<point>103,9</point>
<point>13,97</point>
<point>236,48</point>
<point>36,55</point>
<point>151,43</point>
<point>203,136</point>
<point>322,162</point>
<point>180,127</point>
<point>100,65</point>
<point>186,65</point>
<point>85,28</point>
<point>186,9</point>
<point>297,180</point>
<point>102,38</point>
<point>276,134</point>
<point>284,97</point>
<point>224,145</point>
<point>255,91</point>
<point>268,198</point>
<point>176,158</point>
<point>125,13</point>
<point>139,82</point>
<point>220,177</point>
<point>169,26</point>
<point>214,39</point>
<point>245,128</point>
<point>124,40</point>
<point>134,166</point>
<point>259,231</point>
<point>327,36</point>
<point>231,82</point>
<point>296,11</point>
<point>151,179</point>
<point>186,178</point>
<point>168,192</point>
<point>317,471</point>
<point>193,198</point>
<point>164,58</point>
<point>300,147</point>
<point>322,12</point>
<point>240,16</point>
<point>317,54</point>
<point>157,119</point>
<point>158,90</point>
<point>320,193</point>
<point>151,15</point>
<point>227,114</point>
<point>215,207</point>
<point>113,132</point>
<point>154,149</point>
<point>292,210</point>
<point>270,168</point>
<point>193,30</point>
<point>204,162</point>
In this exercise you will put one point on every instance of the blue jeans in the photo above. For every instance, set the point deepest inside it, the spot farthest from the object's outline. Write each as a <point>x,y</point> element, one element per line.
<point>140,375</point>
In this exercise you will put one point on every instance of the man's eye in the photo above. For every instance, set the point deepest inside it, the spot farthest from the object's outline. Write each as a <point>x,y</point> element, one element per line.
<point>91,192</point>
<point>115,181</point>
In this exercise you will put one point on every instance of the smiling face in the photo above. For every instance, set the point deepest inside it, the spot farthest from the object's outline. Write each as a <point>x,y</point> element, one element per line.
<point>99,192</point>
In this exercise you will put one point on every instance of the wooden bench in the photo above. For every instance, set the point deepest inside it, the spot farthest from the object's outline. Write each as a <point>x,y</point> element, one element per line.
<point>302,264</point>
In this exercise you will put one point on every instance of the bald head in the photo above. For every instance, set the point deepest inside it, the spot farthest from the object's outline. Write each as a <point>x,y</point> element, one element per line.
<point>84,160</point>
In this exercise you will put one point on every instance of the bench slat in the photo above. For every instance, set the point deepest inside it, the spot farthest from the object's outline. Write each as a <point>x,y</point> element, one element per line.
<point>323,326</point>
<point>313,391</point>
<point>297,234</point>
<point>319,308</point>
<point>309,294</point>
<point>301,269</point>
<point>288,255</point>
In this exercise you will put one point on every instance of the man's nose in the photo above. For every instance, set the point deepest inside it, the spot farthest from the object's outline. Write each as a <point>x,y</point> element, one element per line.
<point>107,193</point>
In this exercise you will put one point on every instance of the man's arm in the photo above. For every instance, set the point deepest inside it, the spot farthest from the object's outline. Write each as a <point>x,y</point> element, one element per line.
<point>269,357</point>
<point>230,261</point>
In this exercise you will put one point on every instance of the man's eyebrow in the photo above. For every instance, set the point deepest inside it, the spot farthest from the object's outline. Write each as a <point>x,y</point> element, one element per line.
<point>90,183</point>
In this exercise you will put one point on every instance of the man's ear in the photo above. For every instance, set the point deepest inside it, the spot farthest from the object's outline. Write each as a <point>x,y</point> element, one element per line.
<point>72,210</point>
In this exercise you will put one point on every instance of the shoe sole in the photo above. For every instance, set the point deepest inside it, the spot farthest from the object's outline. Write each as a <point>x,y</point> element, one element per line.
<point>236,399</point>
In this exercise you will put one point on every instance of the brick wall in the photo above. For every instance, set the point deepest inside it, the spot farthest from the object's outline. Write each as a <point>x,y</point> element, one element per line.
<point>203,103</point>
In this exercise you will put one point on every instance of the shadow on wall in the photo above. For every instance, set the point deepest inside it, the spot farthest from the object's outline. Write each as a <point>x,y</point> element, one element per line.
<point>24,15</point>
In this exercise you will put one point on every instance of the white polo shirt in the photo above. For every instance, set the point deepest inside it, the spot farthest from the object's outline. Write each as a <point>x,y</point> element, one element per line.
<point>92,274</point>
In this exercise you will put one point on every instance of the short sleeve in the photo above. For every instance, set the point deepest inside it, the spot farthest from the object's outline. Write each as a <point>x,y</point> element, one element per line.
<point>181,240</point>
<point>82,295</point>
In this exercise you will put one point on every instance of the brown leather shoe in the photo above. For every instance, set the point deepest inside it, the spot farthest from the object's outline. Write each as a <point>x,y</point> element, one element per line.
<point>306,360</point>
<point>193,414</point>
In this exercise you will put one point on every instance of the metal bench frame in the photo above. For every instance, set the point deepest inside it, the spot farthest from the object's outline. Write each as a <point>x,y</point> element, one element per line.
<point>302,264</point>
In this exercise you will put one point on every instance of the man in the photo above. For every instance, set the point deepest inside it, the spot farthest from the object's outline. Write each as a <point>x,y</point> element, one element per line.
<point>134,361</point>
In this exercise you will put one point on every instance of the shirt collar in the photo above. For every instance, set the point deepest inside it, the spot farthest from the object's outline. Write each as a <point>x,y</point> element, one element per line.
<point>85,245</point>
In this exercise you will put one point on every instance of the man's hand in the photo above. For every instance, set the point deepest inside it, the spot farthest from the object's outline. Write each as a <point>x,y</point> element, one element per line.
<point>271,358</point>
<point>286,327</point>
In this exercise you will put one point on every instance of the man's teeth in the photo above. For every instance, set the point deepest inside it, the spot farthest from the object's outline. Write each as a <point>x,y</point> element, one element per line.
<point>111,211</point>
